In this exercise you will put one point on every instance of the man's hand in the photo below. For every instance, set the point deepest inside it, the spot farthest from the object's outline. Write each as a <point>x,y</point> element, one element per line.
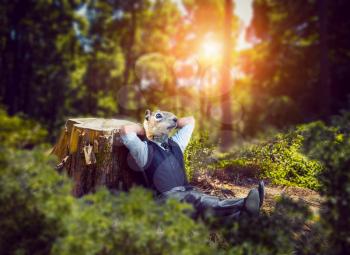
<point>132,128</point>
<point>184,121</point>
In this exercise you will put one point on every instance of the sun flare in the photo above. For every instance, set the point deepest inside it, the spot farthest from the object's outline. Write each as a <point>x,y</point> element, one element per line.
<point>211,49</point>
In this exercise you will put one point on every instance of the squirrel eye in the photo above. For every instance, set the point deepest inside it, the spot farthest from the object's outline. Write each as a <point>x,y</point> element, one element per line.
<point>158,116</point>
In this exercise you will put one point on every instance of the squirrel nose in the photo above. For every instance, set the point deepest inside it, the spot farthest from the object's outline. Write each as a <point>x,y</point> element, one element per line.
<point>174,119</point>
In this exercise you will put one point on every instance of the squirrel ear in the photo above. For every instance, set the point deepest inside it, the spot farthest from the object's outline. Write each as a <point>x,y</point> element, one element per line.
<point>147,114</point>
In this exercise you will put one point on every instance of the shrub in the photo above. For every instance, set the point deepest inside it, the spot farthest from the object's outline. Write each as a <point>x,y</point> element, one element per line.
<point>39,216</point>
<point>296,157</point>
<point>331,145</point>
<point>335,214</point>
<point>280,159</point>
<point>18,132</point>
<point>131,224</point>
<point>198,155</point>
<point>277,233</point>
<point>32,198</point>
<point>322,142</point>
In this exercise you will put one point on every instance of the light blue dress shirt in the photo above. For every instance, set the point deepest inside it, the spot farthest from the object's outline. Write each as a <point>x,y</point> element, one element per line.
<point>139,150</point>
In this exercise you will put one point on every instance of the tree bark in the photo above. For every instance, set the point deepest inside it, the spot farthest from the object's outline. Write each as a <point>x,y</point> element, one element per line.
<point>92,154</point>
<point>129,58</point>
<point>325,102</point>
<point>226,120</point>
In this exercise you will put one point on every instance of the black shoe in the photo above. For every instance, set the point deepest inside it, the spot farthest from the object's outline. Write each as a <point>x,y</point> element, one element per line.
<point>261,192</point>
<point>251,202</point>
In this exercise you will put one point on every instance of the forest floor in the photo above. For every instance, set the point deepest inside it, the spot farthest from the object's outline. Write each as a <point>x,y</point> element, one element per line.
<point>221,184</point>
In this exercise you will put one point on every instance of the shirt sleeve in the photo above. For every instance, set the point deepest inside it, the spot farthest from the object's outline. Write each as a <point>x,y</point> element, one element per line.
<point>138,148</point>
<point>182,136</point>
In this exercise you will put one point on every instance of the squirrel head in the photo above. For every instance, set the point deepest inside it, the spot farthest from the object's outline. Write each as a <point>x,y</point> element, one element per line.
<point>159,123</point>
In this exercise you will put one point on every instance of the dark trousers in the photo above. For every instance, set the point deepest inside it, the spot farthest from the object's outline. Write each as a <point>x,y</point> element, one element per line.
<point>206,206</point>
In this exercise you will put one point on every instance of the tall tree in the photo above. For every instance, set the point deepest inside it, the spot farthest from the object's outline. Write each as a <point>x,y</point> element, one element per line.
<point>287,35</point>
<point>300,64</point>
<point>105,58</point>
<point>39,54</point>
<point>225,90</point>
<point>325,104</point>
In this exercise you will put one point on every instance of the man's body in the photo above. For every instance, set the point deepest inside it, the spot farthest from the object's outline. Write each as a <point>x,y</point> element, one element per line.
<point>161,160</point>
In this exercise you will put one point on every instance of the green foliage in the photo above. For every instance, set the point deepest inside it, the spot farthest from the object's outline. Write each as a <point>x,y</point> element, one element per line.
<point>297,157</point>
<point>39,216</point>
<point>268,234</point>
<point>18,132</point>
<point>106,104</point>
<point>335,216</point>
<point>335,180</point>
<point>324,143</point>
<point>331,145</point>
<point>280,160</point>
<point>131,224</point>
<point>198,155</point>
<point>32,200</point>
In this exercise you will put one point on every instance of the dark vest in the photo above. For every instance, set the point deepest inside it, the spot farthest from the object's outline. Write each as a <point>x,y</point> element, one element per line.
<point>165,169</point>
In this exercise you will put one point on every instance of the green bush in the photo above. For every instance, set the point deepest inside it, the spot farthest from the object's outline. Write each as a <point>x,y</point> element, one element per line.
<point>342,121</point>
<point>280,160</point>
<point>198,155</point>
<point>331,146</point>
<point>39,216</point>
<point>32,198</point>
<point>297,157</point>
<point>18,132</point>
<point>322,142</point>
<point>335,219</point>
<point>277,233</point>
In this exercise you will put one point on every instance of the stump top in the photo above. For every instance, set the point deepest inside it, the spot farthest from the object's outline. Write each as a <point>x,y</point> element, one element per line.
<point>99,124</point>
<point>92,128</point>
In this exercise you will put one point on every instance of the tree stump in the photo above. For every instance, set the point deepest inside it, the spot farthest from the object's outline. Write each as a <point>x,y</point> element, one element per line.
<point>92,154</point>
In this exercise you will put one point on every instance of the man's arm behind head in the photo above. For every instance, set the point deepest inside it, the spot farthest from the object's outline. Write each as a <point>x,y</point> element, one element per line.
<point>185,121</point>
<point>132,128</point>
<point>183,136</point>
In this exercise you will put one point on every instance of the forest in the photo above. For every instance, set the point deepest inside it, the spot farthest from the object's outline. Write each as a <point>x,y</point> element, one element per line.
<point>271,100</point>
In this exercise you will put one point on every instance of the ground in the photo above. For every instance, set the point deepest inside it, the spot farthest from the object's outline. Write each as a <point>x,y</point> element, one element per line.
<point>221,184</point>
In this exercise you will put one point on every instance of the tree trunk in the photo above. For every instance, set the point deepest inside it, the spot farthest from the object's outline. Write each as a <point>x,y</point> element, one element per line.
<point>129,59</point>
<point>92,154</point>
<point>225,90</point>
<point>325,102</point>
